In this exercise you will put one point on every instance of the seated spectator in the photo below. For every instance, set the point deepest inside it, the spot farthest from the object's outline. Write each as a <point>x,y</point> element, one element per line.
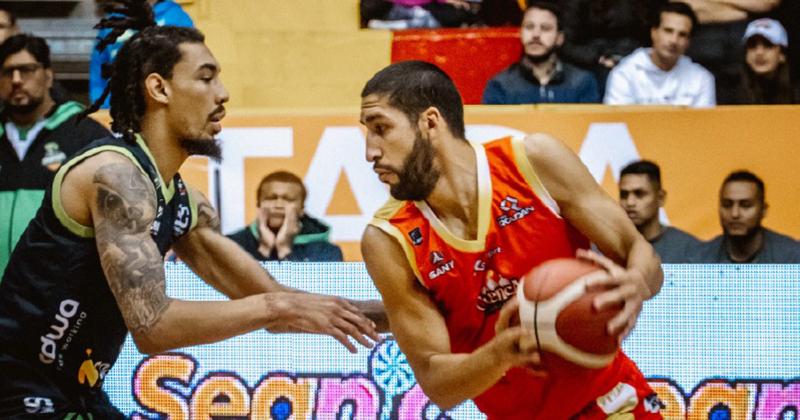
<point>641,196</point>
<point>8,24</point>
<point>540,76</point>
<point>742,207</point>
<point>599,33</point>
<point>717,39</point>
<point>37,133</point>
<point>405,14</point>
<point>663,74</point>
<point>765,73</point>
<point>282,231</point>
<point>166,13</point>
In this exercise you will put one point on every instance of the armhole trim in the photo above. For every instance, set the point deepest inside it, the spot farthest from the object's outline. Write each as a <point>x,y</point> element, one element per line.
<point>393,231</point>
<point>525,166</point>
<point>69,223</point>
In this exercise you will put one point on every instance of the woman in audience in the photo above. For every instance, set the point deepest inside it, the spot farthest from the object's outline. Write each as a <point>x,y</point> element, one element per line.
<point>765,73</point>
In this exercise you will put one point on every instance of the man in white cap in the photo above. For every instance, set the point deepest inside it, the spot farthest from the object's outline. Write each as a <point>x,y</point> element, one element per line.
<point>765,74</point>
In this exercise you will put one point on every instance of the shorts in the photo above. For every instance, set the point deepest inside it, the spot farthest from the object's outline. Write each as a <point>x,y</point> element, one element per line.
<point>626,401</point>
<point>26,393</point>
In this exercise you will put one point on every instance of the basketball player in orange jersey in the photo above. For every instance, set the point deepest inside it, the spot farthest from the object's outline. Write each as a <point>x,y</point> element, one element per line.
<point>466,221</point>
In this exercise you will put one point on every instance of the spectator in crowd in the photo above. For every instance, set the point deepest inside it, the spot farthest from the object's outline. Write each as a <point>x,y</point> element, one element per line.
<point>165,12</point>
<point>8,24</point>
<point>599,33</point>
<point>37,134</point>
<point>641,196</point>
<point>283,231</point>
<point>742,207</point>
<point>406,14</point>
<point>765,73</point>
<point>540,76</point>
<point>717,39</point>
<point>663,74</point>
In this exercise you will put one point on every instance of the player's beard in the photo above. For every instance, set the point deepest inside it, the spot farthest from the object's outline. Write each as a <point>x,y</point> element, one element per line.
<point>199,147</point>
<point>418,176</point>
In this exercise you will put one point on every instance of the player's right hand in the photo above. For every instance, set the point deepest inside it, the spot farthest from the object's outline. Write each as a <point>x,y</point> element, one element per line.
<point>319,314</point>
<point>515,344</point>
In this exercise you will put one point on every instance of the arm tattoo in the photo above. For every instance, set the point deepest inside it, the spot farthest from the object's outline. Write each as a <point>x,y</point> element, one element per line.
<point>207,216</point>
<point>126,205</point>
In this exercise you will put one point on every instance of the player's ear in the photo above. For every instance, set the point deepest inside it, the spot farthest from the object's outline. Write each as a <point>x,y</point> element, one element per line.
<point>430,120</point>
<point>662,197</point>
<point>157,88</point>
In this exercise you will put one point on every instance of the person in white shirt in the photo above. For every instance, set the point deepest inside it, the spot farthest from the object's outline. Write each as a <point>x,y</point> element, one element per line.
<point>663,75</point>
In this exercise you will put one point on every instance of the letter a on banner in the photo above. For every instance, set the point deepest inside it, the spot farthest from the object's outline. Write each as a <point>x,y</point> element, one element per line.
<point>607,144</point>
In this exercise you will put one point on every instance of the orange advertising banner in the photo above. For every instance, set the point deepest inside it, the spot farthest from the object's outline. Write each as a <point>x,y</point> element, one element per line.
<point>696,149</point>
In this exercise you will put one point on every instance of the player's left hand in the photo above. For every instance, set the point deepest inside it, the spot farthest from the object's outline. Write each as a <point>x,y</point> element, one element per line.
<point>622,287</point>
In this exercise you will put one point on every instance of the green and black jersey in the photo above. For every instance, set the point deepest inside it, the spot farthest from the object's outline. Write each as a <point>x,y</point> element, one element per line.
<point>23,180</point>
<point>57,313</point>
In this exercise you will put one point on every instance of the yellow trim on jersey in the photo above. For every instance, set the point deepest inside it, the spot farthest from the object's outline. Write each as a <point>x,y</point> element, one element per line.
<point>71,224</point>
<point>392,230</point>
<point>484,208</point>
<point>389,209</point>
<point>525,166</point>
<point>169,189</point>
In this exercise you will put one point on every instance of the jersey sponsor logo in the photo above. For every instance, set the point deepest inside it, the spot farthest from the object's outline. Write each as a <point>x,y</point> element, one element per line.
<point>436,257</point>
<point>91,372</point>
<point>444,268</point>
<point>480,263</point>
<point>51,340</point>
<point>512,211</point>
<point>53,156</point>
<point>496,292</point>
<point>182,220</point>
<point>38,405</point>
<point>416,236</point>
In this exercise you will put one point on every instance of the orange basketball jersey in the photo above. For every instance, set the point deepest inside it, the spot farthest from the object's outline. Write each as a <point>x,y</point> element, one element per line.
<point>519,227</point>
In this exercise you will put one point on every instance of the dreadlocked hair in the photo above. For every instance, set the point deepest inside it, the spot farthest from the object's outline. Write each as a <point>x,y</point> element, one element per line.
<point>154,49</point>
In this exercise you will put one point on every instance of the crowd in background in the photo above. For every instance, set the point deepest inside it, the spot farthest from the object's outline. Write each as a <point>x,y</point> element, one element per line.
<point>573,51</point>
<point>734,52</point>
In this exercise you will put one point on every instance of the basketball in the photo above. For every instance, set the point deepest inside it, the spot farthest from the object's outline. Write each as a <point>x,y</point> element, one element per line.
<point>569,331</point>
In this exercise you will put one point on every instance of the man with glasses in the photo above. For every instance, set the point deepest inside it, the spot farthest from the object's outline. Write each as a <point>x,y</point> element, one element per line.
<point>37,133</point>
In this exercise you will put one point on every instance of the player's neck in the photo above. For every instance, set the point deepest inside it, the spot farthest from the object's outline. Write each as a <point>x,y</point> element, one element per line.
<point>455,197</point>
<point>164,147</point>
<point>744,248</point>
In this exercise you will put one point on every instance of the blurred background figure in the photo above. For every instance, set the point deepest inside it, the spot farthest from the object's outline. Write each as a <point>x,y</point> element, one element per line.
<point>37,133</point>
<point>663,75</point>
<point>540,76</point>
<point>641,196</point>
<point>167,13</point>
<point>717,39</point>
<point>8,24</point>
<point>742,207</point>
<point>765,75</point>
<point>599,33</point>
<point>282,230</point>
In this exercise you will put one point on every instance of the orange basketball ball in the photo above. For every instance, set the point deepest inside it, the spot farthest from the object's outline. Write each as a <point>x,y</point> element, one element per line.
<point>555,303</point>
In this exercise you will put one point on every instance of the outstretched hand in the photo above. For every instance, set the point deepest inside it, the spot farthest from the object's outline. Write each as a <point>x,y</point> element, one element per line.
<point>622,287</point>
<point>320,314</point>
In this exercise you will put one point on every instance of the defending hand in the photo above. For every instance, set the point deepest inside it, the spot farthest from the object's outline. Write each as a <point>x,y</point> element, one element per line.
<point>320,314</point>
